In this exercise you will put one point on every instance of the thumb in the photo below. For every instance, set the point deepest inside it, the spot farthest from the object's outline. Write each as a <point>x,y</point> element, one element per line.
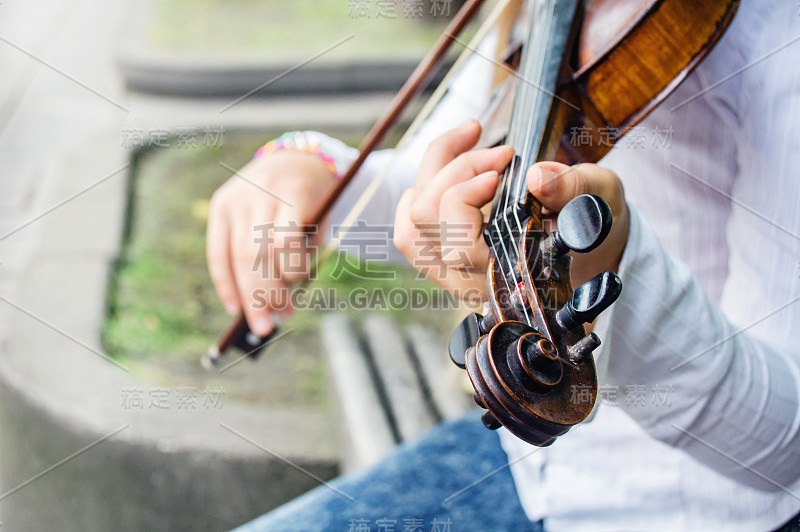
<point>555,184</point>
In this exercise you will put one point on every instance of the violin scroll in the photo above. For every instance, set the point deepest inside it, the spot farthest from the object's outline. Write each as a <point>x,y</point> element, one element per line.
<point>529,359</point>
<point>520,379</point>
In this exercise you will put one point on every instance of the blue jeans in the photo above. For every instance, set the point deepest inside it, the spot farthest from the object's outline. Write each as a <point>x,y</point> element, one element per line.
<point>454,478</point>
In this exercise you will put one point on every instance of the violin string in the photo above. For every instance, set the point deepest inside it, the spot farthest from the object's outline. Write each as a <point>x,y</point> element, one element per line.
<point>503,200</point>
<point>510,266</point>
<point>521,185</point>
<point>526,133</point>
<point>528,144</point>
<point>494,243</point>
<point>513,192</point>
<point>513,135</point>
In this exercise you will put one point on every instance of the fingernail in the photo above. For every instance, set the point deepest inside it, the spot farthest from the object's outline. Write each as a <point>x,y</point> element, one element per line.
<point>469,122</point>
<point>491,174</point>
<point>232,308</point>
<point>548,180</point>
<point>262,326</point>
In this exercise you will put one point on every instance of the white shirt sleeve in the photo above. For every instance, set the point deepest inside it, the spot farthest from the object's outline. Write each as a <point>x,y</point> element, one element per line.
<point>732,358</point>
<point>736,397</point>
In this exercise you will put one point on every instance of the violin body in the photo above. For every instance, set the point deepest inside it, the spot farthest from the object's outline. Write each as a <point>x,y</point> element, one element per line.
<point>629,56</point>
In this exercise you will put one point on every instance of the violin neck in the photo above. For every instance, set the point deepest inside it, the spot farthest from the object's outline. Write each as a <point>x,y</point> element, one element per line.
<point>545,58</point>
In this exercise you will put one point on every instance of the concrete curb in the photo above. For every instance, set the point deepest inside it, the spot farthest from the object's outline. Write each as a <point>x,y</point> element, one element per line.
<point>175,469</point>
<point>150,71</point>
<point>164,76</point>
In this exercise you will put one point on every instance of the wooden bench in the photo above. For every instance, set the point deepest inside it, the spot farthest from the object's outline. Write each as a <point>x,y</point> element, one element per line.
<point>388,384</point>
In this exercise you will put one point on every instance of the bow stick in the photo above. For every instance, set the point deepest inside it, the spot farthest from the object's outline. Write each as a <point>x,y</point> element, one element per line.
<point>238,334</point>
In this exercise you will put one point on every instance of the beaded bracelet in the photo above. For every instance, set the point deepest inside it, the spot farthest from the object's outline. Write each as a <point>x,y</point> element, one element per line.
<point>306,142</point>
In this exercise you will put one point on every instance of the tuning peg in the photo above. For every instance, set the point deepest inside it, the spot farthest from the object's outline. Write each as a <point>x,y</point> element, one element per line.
<point>489,421</point>
<point>465,336</point>
<point>487,418</point>
<point>589,300</point>
<point>583,224</point>
<point>583,348</point>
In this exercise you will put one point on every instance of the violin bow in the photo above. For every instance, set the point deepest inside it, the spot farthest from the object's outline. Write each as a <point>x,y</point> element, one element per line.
<point>238,334</point>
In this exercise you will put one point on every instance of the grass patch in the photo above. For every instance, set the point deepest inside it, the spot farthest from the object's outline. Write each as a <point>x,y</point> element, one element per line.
<point>289,30</point>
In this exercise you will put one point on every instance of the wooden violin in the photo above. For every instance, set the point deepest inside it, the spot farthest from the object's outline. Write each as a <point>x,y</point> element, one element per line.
<point>594,66</point>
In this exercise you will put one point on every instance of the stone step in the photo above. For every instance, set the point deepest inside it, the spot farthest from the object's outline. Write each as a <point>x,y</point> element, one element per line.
<point>389,384</point>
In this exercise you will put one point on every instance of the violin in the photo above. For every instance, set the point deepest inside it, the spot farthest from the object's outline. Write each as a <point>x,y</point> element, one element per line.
<point>593,66</point>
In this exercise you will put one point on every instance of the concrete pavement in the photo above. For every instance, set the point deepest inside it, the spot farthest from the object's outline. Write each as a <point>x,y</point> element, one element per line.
<point>63,172</point>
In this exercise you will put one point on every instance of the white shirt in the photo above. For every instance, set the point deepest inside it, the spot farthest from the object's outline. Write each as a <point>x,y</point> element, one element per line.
<point>708,321</point>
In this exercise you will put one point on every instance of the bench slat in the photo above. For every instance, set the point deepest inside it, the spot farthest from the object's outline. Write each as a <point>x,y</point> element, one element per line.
<point>448,385</point>
<point>366,431</point>
<point>410,410</point>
